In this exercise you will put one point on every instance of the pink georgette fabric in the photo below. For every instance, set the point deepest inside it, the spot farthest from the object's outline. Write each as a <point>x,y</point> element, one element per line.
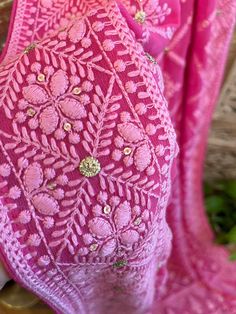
<point>83,79</point>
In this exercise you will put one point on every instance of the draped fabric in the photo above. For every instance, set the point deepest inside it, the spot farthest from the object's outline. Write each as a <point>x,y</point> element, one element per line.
<point>106,109</point>
<point>201,277</point>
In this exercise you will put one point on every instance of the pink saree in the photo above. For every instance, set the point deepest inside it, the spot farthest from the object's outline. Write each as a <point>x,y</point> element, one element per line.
<point>105,111</point>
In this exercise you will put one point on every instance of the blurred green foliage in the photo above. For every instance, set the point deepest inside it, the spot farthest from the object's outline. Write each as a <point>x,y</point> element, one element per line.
<point>220,200</point>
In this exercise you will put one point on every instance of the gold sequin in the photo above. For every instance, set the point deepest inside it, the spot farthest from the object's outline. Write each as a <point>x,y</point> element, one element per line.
<point>151,58</point>
<point>107,209</point>
<point>120,263</point>
<point>93,247</point>
<point>140,17</point>
<point>41,77</point>
<point>30,47</point>
<point>31,112</point>
<point>127,150</point>
<point>67,126</point>
<point>138,221</point>
<point>76,90</point>
<point>51,185</point>
<point>89,166</point>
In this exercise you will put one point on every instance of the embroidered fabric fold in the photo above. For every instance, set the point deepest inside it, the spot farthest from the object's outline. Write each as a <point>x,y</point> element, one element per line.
<point>105,111</point>
<point>156,30</point>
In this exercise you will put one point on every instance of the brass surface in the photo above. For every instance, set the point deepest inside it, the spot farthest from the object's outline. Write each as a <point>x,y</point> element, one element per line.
<point>16,300</point>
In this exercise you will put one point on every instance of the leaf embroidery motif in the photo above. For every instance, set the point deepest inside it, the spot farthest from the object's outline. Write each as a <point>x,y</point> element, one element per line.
<point>35,94</point>
<point>130,132</point>
<point>122,215</point>
<point>129,237</point>
<point>142,157</point>
<point>45,204</point>
<point>33,177</point>
<point>49,120</point>
<point>100,227</point>
<point>77,31</point>
<point>59,83</point>
<point>72,108</point>
<point>108,248</point>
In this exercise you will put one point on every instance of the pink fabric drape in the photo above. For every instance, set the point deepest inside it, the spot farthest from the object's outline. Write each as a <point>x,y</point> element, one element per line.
<point>201,277</point>
<point>119,255</point>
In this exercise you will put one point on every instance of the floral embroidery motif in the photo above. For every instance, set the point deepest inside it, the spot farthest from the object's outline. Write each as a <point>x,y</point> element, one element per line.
<point>38,184</point>
<point>153,17</point>
<point>93,279</point>
<point>119,229</point>
<point>55,98</point>
<point>139,153</point>
<point>71,100</point>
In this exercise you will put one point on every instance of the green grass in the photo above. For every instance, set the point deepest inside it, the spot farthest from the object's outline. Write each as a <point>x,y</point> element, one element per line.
<point>220,200</point>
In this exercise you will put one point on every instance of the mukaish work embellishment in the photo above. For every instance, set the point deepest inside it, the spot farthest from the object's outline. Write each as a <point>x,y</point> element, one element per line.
<point>30,47</point>
<point>127,150</point>
<point>107,209</point>
<point>89,167</point>
<point>51,185</point>
<point>41,77</point>
<point>151,58</point>
<point>31,112</point>
<point>67,126</point>
<point>76,90</point>
<point>140,17</point>
<point>138,221</point>
<point>93,247</point>
<point>120,263</point>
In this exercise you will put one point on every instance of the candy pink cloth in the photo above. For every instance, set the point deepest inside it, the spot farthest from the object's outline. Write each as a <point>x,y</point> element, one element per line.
<point>76,81</point>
